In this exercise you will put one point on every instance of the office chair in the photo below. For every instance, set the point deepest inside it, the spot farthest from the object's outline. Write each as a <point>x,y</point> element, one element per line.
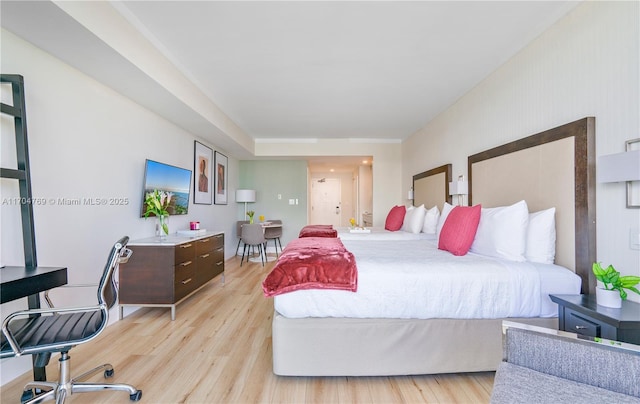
<point>239,224</point>
<point>253,236</point>
<point>42,332</point>
<point>274,233</point>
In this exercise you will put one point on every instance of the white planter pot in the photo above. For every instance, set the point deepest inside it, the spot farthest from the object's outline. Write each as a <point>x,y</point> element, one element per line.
<point>608,298</point>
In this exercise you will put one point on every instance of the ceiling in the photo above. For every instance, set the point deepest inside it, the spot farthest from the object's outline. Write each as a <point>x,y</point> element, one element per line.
<point>339,69</point>
<point>325,69</point>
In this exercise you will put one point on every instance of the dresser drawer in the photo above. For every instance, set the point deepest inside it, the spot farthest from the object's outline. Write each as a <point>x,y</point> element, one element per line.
<point>185,279</point>
<point>581,324</point>
<point>185,252</point>
<point>218,241</point>
<point>218,254</point>
<point>205,268</point>
<point>204,245</point>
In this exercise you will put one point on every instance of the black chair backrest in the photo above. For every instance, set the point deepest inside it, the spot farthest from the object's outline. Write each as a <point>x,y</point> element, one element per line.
<point>107,290</point>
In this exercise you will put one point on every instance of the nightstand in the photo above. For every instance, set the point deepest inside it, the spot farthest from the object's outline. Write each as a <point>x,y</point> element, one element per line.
<point>582,315</point>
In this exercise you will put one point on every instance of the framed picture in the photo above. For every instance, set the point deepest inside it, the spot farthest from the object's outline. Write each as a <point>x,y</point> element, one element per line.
<point>633,187</point>
<point>220,186</point>
<point>202,167</point>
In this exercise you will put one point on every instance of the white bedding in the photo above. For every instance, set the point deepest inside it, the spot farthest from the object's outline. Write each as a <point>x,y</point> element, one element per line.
<point>380,233</point>
<point>413,279</point>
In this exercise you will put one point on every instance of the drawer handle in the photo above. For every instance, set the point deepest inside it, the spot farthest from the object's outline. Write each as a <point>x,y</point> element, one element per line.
<point>204,240</point>
<point>581,327</point>
<point>184,264</point>
<point>220,249</point>
<point>186,281</point>
<point>219,263</point>
<point>219,236</point>
<point>204,255</point>
<point>185,245</point>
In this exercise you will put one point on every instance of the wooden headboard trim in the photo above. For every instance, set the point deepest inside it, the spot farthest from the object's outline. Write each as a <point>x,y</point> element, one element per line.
<point>583,132</point>
<point>446,169</point>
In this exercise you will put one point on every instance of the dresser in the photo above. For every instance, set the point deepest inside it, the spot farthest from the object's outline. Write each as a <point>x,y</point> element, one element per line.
<point>164,272</point>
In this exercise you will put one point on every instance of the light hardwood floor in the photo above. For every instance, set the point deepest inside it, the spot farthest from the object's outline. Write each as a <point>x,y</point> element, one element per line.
<point>218,350</point>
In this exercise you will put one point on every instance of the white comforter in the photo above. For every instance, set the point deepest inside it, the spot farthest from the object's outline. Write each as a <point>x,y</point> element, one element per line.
<point>380,233</point>
<point>413,279</point>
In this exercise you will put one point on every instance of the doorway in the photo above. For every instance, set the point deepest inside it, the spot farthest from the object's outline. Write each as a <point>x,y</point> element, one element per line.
<point>326,201</point>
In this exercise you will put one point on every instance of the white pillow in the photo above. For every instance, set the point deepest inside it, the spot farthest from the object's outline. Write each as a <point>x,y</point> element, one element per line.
<point>407,218</point>
<point>430,225</point>
<point>502,232</point>
<point>446,208</point>
<point>414,219</point>
<point>541,237</point>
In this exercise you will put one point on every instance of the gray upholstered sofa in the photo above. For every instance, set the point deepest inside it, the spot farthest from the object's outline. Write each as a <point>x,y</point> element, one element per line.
<point>549,366</point>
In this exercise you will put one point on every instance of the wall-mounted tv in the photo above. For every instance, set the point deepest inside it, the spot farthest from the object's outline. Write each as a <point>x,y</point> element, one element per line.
<point>168,178</point>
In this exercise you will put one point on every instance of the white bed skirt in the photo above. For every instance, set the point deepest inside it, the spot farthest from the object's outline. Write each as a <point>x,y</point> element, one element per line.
<point>385,347</point>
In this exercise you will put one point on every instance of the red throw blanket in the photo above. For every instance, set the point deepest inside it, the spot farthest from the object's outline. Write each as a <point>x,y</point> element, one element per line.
<point>312,263</point>
<point>318,230</point>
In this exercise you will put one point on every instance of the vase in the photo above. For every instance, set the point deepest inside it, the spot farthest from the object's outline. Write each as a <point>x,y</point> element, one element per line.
<point>608,298</point>
<point>250,219</point>
<point>162,227</point>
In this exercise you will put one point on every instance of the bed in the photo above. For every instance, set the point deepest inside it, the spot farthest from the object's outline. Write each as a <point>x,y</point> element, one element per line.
<point>552,168</point>
<point>431,189</point>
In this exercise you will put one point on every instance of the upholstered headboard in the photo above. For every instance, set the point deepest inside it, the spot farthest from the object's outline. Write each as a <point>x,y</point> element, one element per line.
<point>554,168</point>
<point>431,187</point>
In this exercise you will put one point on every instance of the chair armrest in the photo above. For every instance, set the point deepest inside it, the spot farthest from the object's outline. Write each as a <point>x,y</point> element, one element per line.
<point>47,299</point>
<point>15,347</point>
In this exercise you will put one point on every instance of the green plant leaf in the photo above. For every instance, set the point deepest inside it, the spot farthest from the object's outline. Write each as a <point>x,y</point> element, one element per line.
<point>597,269</point>
<point>629,280</point>
<point>631,288</point>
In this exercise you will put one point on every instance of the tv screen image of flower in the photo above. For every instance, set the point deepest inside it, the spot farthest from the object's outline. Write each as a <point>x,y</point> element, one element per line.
<point>174,182</point>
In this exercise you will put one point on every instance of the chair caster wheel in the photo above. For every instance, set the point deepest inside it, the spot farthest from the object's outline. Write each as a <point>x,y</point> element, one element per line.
<point>108,373</point>
<point>136,396</point>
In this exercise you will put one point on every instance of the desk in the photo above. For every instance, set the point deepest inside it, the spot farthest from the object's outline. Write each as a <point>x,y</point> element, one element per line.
<point>19,282</point>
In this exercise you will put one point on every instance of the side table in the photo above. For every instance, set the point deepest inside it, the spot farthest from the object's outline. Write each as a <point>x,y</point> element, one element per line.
<point>581,314</point>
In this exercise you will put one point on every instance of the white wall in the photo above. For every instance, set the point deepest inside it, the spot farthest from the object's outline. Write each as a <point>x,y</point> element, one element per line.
<point>585,65</point>
<point>87,141</point>
<point>386,172</point>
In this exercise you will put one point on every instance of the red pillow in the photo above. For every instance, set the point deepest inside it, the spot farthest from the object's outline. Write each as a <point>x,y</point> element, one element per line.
<point>459,229</point>
<point>395,218</point>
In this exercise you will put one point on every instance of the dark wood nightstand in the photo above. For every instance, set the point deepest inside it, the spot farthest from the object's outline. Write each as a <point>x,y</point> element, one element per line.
<point>581,314</point>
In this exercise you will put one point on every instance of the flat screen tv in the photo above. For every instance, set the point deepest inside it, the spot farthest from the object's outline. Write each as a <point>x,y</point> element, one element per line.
<point>168,178</point>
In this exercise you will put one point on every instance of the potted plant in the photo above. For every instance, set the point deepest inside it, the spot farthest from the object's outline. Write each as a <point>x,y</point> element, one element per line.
<point>612,292</point>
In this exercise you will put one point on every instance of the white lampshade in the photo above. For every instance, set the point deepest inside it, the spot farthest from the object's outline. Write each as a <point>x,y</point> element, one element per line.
<point>619,167</point>
<point>460,187</point>
<point>410,194</point>
<point>245,195</point>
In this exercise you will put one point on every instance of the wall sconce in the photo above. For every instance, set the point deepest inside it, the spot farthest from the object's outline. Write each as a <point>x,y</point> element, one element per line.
<point>245,195</point>
<point>410,194</point>
<point>459,188</point>
<point>622,167</point>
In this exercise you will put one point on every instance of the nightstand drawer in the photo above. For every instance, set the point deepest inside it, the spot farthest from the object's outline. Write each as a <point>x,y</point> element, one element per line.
<point>581,324</point>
